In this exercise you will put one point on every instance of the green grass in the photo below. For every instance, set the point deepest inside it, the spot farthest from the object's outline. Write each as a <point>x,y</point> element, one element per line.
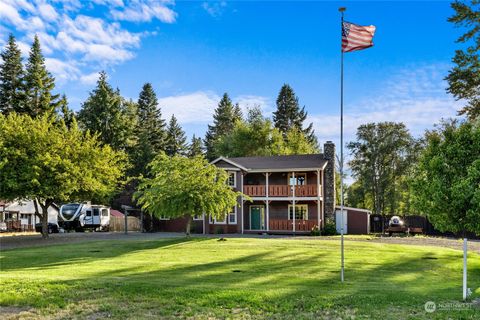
<point>238,278</point>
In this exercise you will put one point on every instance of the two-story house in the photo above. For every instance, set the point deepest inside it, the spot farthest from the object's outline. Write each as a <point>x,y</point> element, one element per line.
<point>288,194</point>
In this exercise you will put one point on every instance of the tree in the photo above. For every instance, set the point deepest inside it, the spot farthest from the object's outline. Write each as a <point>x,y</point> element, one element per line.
<point>448,181</point>
<point>12,97</point>
<point>150,130</point>
<point>224,119</point>
<point>381,156</point>
<point>39,84</point>
<point>180,186</point>
<point>196,147</point>
<point>66,114</point>
<point>176,141</point>
<point>107,114</point>
<point>464,78</point>
<point>47,162</point>
<point>289,115</point>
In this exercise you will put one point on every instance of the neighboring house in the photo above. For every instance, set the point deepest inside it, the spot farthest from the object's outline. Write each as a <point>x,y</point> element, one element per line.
<point>289,194</point>
<point>23,214</point>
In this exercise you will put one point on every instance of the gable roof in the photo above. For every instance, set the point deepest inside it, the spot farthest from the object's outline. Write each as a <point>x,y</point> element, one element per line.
<point>305,161</point>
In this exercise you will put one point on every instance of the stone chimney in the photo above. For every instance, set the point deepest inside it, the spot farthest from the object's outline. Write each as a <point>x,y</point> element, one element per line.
<point>329,180</point>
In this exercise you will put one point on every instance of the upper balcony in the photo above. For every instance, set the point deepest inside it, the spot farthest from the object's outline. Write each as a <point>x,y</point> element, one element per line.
<point>310,190</point>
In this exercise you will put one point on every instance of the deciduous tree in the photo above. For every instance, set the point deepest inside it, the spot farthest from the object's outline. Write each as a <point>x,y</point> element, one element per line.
<point>45,161</point>
<point>182,187</point>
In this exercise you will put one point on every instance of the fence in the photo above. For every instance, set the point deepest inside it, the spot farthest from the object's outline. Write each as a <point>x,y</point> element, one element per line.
<point>118,224</point>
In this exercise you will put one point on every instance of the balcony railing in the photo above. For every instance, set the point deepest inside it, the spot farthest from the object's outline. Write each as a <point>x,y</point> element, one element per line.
<point>287,225</point>
<point>309,190</point>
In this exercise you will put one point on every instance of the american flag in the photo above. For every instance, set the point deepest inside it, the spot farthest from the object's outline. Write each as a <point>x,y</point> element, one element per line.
<point>355,37</point>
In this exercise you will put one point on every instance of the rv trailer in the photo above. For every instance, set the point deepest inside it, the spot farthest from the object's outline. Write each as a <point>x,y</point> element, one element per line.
<point>81,216</point>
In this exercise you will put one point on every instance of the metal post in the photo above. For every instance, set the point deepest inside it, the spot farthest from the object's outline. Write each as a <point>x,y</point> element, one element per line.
<point>126,221</point>
<point>342,272</point>
<point>465,269</point>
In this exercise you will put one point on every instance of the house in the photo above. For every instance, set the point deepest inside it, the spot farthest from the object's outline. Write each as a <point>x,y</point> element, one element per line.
<point>288,195</point>
<point>20,215</point>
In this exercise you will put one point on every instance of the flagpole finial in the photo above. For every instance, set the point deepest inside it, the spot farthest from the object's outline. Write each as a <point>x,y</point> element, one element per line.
<point>342,9</point>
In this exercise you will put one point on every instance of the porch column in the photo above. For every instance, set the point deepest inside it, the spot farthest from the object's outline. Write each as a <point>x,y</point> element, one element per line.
<point>293,201</point>
<point>323,199</point>
<point>267,202</point>
<point>242,215</point>
<point>318,199</point>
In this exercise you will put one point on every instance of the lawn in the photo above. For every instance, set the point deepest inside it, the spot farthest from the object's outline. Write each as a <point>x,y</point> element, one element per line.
<point>203,278</point>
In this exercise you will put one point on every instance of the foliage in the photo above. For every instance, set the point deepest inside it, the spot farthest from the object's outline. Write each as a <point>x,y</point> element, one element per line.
<point>224,119</point>
<point>289,115</point>
<point>66,114</point>
<point>44,160</point>
<point>329,229</point>
<point>448,179</point>
<point>39,84</point>
<point>150,130</point>
<point>176,141</point>
<point>382,156</point>
<point>258,137</point>
<point>196,147</point>
<point>315,231</point>
<point>464,77</point>
<point>178,186</point>
<point>107,114</point>
<point>12,96</point>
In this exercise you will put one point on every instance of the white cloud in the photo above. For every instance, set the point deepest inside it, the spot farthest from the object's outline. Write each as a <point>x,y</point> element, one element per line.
<point>89,79</point>
<point>61,70</point>
<point>196,107</point>
<point>249,101</point>
<point>47,12</point>
<point>214,8</point>
<point>143,11</point>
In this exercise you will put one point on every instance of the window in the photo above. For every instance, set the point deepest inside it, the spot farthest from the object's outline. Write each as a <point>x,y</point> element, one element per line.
<point>232,217</point>
<point>301,212</point>
<point>232,179</point>
<point>198,217</point>
<point>163,217</point>
<point>104,212</point>
<point>88,213</point>
<point>96,212</point>
<point>299,180</point>
<point>218,221</point>
<point>24,216</point>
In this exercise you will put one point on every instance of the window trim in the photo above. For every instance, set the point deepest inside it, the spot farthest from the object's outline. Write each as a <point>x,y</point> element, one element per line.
<point>234,214</point>
<point>289,177</point>
<point>298,205</point>
<point>215,221</point>
<point>199,217</point>
<point>163,218</point>
<point>234,178</point>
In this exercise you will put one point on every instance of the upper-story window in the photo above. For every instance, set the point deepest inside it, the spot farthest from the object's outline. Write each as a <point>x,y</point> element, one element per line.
<point>232,179</point>
<point>299,179</point>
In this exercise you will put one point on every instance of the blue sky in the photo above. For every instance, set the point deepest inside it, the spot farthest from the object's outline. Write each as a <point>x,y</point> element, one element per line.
<point>193,51</point>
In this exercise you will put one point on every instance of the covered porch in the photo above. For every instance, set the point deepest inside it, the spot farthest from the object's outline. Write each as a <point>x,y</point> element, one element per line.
<point>282,217</point>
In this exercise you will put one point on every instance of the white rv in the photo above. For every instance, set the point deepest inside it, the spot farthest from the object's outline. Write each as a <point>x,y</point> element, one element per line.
<point>81,216</point>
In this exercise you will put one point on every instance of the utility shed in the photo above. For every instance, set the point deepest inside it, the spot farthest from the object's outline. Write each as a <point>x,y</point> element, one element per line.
<point>356,220</point>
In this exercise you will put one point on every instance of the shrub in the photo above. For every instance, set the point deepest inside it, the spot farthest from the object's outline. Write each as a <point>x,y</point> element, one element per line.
<point>315,231</point>
<point>329,229</point>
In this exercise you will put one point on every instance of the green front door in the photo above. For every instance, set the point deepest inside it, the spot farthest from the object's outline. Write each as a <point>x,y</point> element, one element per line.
<point>256,218</point>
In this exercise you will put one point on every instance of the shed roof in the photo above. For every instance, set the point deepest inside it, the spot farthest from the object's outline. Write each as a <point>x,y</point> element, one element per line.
<point>305,161</point>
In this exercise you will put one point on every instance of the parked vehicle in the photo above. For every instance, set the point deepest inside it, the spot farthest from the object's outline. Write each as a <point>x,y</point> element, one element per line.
<point>81,217</point>
<point>52,227</point>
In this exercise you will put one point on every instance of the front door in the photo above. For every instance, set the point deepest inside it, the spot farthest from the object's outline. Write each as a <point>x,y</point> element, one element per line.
<point>257,218</point>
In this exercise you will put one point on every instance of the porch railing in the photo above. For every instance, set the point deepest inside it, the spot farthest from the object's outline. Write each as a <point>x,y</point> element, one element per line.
<point>287,225</point>
<point>309,190</point>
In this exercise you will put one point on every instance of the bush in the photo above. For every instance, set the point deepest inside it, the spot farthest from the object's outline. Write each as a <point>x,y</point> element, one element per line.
<point>315,231</point>
<point>219,230</point>
<point>329,229</point>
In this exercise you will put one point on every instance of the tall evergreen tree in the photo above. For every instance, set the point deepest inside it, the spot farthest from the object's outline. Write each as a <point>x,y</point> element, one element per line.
<point>224,118</point>
<point>39,84</point>
<point>289,114</point>
<point>464,78</point>
<point>12,96</point>
<point>66,114</point>
<point>176,142</point>
<point>107,114</point>
<point>196,147</point>
<point>150,130</point>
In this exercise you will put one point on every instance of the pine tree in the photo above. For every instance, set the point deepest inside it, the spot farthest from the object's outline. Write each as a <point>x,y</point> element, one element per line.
<point>150,131</point>
<point>106,113</point>
<point>66,114</point>
<point>196,147</point>
<point>39,84</point>
<point>176,142</point>
<point>224,118</point>
<point>289,114</point>
<point>12,96</point>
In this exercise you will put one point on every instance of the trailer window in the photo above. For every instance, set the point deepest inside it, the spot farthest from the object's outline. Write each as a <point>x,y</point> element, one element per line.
<point>69,210</point>
<point>95,212</point>
<point>88,213</point>
<point>104,212</point>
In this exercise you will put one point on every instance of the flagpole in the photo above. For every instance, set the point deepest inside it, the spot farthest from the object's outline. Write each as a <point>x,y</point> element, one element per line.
<point>342,271</point>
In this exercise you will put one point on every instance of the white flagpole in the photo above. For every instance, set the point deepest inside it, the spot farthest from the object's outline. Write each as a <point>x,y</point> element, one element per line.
<point>342,272</point>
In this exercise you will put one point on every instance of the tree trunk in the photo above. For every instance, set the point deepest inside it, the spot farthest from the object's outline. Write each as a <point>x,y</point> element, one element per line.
<point>44,217</point>
<point>189,222</point>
